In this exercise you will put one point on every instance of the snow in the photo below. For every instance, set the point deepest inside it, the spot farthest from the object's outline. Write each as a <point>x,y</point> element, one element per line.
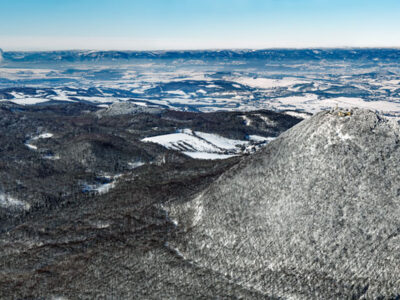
<point>21,73</point>
<point>258,138</point>
<point>219,141</point>
<point>99,188</point>
<point>17,95</point>
<point>62,96</point>
<point>274,90</point>
<point>51,157</point>
<point>59,298</point>
<point>246,120</point>
<point>102,188</point>
<point>297,114</point>
<point>181,142</point>
<point>342,136</point>
<point>298,100</point>
<point>7,201</point>
<point>100,224</point>
<point>140,103</point>
<point>311,103</point>
<point>212,86</point>
<point>177,92</point>
<point>135,164</point>
<point>32,147</point>
<point>28,101</point>
<point>266,120</point>
<point>103,105</point>
<point>205,155</point>
<point>98,99</point>
<point>199,145</point>
<point>45,135</point>
<point>267,83</point>
<point>358,102</point>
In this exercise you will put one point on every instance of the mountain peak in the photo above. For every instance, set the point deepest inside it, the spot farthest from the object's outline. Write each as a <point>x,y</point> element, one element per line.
<point>314,213</point>
<point>357,129</point>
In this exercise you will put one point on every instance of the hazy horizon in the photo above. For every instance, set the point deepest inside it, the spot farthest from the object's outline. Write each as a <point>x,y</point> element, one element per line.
<point>193,25</point>
<point>203,49</point>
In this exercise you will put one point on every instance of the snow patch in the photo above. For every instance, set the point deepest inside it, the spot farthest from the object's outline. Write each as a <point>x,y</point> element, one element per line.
<point>267,83</point>
<point>258,138</point>
<point>103,105</point>
<point>201,145</point>
<point>100,224</point>
<point>9,202</point>
<point>247,120</point>
<point>61,96</point>
<point>178,92</point>
<point>205,155</point>
<point>51,156</point>
<point>43,136</point>
<point>297,114</point>
<point>105,184</point>
<point>28,101</point>
<point>59,298</point>
<point>220,141</point>
<point>311,103</point>
<point>267,120</point>
<point>342,136</point>
<point>182,141</point>
<point>28,144</point>
<point>99,188</point>
<point>136,164</point>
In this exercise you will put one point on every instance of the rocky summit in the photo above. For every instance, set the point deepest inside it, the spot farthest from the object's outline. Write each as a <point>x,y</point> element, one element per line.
<point>315,214</point>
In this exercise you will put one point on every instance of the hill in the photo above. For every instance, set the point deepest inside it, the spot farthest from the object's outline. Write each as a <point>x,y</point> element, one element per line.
<point>315,214</point>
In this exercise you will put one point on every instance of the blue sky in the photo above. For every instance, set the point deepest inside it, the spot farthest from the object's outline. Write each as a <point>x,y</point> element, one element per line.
<point>197,24</point>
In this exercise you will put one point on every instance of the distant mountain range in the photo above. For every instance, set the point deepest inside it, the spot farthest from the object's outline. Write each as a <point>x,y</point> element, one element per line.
<point>268,54</point>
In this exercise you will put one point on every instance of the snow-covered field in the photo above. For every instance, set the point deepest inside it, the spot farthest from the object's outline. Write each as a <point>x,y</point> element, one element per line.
<point>201,85</point>
<point>312,104</point>
<point>201,145</point>
<point>28,100</point>
<point>266,83</point>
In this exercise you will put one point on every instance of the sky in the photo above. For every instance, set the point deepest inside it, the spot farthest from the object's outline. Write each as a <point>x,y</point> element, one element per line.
<point>197,24</point>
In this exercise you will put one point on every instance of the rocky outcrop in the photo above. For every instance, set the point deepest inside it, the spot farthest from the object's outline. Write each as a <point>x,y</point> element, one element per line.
<point>127,108</point>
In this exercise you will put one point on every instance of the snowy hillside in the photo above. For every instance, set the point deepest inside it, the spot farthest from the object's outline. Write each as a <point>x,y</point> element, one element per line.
<point>315,212</point>
<point>201,145</point>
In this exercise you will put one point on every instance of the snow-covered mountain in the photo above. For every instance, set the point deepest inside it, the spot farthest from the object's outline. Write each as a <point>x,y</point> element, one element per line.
<point>313,214</point>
